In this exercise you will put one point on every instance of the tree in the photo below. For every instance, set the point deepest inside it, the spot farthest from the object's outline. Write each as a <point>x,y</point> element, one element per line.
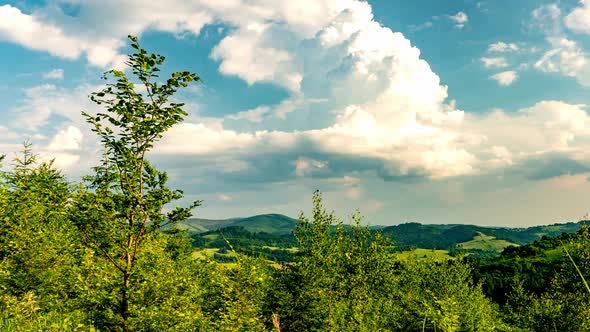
<point>341,280</point>
<point>39,255</point>
<point>123,205</point>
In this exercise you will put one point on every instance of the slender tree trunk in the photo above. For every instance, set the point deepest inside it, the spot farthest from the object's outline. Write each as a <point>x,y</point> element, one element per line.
<point>124,303</point>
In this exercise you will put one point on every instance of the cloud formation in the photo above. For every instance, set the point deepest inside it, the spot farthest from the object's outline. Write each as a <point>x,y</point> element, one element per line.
<point>494,62</point>
<point>460,19</point>
<point>579,19</point>
<point>502,47</point>
<point>362,102</point>
<point>54,74</point>
<point>505,78</point>
<point>564,56</point>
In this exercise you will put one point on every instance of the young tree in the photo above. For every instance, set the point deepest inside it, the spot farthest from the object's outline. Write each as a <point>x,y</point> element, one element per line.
<point>125,205</point>
<point>39,254</point>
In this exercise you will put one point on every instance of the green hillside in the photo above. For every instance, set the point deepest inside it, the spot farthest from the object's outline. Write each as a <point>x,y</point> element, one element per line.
<point>448,236</point>
<point>268,223</point>
<point>535,265</point>
<point>485,242</point>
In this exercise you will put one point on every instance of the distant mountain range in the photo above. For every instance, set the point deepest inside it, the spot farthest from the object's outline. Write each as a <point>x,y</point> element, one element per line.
<point>407,235</point>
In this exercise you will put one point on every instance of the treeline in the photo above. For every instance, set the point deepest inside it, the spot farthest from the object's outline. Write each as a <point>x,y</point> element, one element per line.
<point>98,255</point>
<point>273,247</point>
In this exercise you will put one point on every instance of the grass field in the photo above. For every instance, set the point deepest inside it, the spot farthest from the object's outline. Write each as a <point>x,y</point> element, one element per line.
<point>424,253</point>
<point>291,249</point>
<point>205,253</point>
<point>485,242</point>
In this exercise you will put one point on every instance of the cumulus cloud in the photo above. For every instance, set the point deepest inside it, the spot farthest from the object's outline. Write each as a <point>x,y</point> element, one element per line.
<point>579,19</point>
<point>361,99</point>
<point>69,138</point>
<point>33,32</point>
<point>505,78</point>
<point>388,106</point>
<point>460,19</point>
<point>545,127</point>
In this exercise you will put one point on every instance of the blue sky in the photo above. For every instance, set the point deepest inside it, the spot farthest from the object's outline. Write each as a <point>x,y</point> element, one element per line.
<point>433,111</point>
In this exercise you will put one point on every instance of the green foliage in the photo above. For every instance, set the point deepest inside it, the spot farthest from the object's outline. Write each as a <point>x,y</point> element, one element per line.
<point>125,208</point>
<point>560,303</point>
<point>440,295</point>
<point>107,256</point>
<point>274,247</point>
<point>348,280</point>
<point>244,292</point>
<point>333,284</point>
<point>534,266</point>
<point>38,254</point>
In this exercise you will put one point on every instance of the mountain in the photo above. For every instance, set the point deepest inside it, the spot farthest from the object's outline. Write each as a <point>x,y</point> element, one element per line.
<point>407,235</point>
<point>268,223</point>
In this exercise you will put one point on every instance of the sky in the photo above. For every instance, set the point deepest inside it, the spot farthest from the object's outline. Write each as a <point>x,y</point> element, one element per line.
<point>457,111</point>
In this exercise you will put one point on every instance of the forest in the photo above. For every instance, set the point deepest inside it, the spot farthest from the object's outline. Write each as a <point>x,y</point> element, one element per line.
<point>107,254</point>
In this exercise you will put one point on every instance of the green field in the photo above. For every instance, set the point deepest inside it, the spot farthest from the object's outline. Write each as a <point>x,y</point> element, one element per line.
<point>485,242</point>
<point>424,253</point>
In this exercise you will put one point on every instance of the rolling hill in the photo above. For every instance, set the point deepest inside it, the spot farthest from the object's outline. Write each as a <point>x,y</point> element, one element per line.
<point>268,223</point>
<point>407,235</point>
<point>432,236</point>
<point>485,242</point>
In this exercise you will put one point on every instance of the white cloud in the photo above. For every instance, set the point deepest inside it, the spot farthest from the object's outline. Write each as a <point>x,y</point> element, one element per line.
<point>495,62</point>
<point>55,74</point>
<point>505,78</point>
<point>502,47</point>
<point>567,58</point>
<point>353,83</point>
<point>548,126</point>
<point>579,19</point>
<point>69,138</point>
<point>32,32</point>
<point>253,115</point>
<point>44,101</point>
<point>211,140</point>
<point>564,56</point>
<point>460,19</point>
<point>245,54</point>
